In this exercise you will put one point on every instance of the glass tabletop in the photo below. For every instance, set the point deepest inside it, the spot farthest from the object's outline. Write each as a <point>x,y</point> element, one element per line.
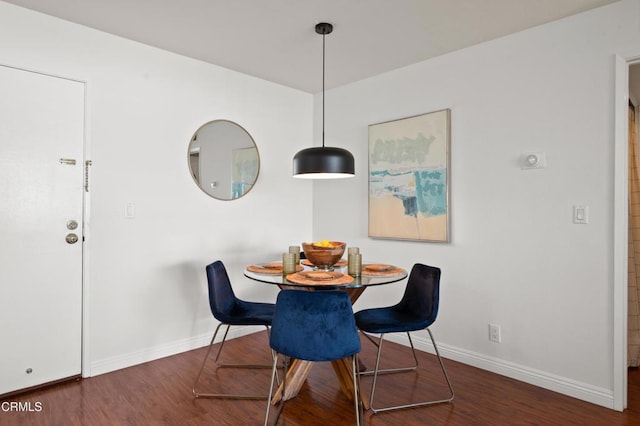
<point>364,280</point>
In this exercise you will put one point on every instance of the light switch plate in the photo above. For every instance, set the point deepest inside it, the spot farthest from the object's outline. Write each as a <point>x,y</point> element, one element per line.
<point>130,211</point>
<point>580,214</point>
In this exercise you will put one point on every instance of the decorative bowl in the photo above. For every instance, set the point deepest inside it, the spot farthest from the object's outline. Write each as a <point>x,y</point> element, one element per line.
<point>324,257</point>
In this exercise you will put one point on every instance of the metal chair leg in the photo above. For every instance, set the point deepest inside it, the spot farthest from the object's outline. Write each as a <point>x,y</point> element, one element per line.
<point>274,373</point>
<point>391,370</point>
<point>417,404</point>
<point>356,387</point>
<point>244,366</point>
<point>224,339</point>
<point>444,371</point>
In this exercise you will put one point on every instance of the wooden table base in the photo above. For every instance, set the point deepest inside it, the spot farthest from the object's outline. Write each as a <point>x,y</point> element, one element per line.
<point>299,370</point>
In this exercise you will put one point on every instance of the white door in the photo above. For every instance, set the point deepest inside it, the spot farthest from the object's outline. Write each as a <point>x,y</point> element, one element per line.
<point>41,135</point>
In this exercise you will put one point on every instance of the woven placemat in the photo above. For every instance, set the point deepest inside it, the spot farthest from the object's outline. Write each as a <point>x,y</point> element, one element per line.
<point>378,269</point>
<point>317,278</point>
<point>340,263</point>
<point>270,268</point>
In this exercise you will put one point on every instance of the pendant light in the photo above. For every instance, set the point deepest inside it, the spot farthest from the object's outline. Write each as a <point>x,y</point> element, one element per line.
<point>323,162</point>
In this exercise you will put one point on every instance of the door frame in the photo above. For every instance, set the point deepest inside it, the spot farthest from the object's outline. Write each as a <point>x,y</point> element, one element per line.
<point>621,225</point>
<point>85,359</point>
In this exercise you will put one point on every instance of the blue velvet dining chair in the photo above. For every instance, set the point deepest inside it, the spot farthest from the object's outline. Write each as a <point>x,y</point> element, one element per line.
<point>314,326</point>
<point>230,310</point>
<point>417,310</point>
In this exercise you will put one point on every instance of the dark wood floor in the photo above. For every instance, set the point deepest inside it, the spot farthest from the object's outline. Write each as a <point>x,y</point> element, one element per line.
<point>159,392</point>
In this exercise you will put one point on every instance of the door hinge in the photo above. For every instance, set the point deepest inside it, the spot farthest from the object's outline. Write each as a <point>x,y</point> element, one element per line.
<point>87,163</point>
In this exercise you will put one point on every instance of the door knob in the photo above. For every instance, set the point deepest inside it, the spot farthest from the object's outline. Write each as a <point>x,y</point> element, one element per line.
<point>71,238</point>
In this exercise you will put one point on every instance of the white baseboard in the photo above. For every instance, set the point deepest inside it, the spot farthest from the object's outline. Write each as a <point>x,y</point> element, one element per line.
<point>563,385</point>
<point>149,354</point>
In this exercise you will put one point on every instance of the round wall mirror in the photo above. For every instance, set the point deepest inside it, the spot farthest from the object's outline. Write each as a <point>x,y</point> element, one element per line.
<point>223,160</point>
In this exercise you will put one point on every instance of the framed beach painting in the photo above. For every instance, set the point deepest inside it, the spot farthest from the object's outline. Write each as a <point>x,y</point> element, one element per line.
<point>409,178</point>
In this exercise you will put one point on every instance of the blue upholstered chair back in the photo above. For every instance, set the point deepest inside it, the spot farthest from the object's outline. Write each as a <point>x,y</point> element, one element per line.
<point>419,303</point>
<point>314,325</point>
<point>222,300</point>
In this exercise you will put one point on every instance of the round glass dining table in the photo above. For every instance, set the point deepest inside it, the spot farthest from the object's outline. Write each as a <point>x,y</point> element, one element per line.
<point>299,369</point>
<point>364,280</point>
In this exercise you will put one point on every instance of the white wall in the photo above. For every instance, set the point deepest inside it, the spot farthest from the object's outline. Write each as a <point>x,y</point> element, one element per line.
<point>515,257</point>
<point>145,276</point>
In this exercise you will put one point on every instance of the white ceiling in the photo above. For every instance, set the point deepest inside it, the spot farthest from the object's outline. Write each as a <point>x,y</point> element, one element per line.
<point>275,39</point>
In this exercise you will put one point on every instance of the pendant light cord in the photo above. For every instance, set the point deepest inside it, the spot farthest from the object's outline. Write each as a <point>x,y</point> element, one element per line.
<point>322,162</point>
<point>323,60</point>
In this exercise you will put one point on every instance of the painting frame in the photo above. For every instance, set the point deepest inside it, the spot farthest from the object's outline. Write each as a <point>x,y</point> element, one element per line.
<point>409,178</point>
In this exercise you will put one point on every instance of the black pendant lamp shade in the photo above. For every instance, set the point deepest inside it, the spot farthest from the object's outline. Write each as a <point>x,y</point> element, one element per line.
<point>323,162</point>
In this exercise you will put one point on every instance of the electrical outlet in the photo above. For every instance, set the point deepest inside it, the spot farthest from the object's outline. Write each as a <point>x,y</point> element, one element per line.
<point>494,333</point>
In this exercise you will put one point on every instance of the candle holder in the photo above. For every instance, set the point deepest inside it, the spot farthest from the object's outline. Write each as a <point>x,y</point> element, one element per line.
<point>295,250</point>
<point>354,264</point>
<point>288,263</point>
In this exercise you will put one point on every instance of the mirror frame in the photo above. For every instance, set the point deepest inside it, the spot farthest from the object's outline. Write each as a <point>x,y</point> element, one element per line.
<point>189,158</point>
